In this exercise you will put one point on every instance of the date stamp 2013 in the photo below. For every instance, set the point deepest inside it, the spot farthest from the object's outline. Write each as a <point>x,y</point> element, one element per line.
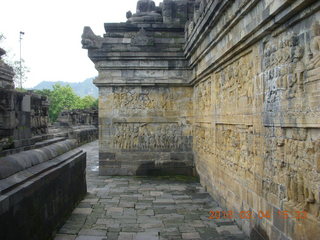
<point>259,215</point>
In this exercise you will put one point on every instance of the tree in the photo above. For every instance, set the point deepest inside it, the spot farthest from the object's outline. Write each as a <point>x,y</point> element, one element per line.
<point>61,98</point>
<point>88,102</point>
<point>20,72</point>
<point>44,92</point>
<point>64,98</point>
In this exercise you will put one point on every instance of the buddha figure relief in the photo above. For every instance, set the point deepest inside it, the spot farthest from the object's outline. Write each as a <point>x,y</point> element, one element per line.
<point>315,46</point>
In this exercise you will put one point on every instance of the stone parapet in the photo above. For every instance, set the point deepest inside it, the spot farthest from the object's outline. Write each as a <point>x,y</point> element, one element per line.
<point>22,117</point>
<point>41,197</point>
<point>77,117</point>
<point>21,161</point>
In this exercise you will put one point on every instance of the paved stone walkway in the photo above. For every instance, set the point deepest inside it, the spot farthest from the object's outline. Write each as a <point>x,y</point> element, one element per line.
<point>139,208</point>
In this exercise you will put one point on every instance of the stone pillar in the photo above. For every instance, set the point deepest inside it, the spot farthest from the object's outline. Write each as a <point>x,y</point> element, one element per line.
<point>145,102</point>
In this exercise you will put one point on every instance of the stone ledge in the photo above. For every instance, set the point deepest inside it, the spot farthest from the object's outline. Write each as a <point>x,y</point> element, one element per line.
<point>21,161</point>
<point>27,174</point>
<point>34,209</point>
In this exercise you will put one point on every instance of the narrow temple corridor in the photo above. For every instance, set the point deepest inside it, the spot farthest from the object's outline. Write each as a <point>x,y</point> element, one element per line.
<point>144,208</point>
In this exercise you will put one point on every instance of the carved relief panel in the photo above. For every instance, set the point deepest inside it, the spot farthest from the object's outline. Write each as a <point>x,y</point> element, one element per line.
<point>234,86</point>
<point>291,76</point>
<point>203,135</point>
<point>202,97</point>
<point>132,100</point>
<point>235,147</point>
<point>291,168</point>
<point>148,137</point>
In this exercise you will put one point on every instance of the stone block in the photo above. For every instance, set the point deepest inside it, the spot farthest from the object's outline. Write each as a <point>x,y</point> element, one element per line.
<point>52,187</point>
<point>26,103</point>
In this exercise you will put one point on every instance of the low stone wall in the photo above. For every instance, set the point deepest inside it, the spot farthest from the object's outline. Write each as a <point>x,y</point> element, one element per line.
<point>22,117</point>
<point>79,124</point>
<point>78,117</point>
<point>35,201</point>
<point>41,177</point>
<point>84,134</point>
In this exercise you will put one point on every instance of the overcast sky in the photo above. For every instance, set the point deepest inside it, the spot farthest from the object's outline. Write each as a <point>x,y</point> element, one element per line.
<point>51,46</point>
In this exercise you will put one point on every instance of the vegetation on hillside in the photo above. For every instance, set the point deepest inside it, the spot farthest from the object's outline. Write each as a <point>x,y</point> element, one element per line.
<point>82,89</point>
<point>64,98</point>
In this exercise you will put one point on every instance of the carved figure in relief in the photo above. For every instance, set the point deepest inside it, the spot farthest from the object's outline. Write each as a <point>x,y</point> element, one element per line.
<point>295,72</point>
<point>315,46</point>
<point>299,66</point>
<point>145,136</point>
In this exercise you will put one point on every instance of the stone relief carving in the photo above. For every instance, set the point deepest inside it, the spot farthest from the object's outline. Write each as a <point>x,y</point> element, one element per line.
<point>125,98</point>
<point>90,40</point>
<point>203,97</point>
<point>203,139</point>
<point>142,39</point>
<point>284,68</point>
<point>315,46</point>
<point>234,83</point>
<point>147,136</point>
<point>291,163</point>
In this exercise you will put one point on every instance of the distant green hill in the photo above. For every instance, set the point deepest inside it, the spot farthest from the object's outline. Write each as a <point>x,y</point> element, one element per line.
<point>81,88</point>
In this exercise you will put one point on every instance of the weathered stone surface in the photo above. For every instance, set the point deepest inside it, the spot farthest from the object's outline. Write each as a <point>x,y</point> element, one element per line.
<point>17,162</point>
<point>241,82</point>
<point>143,121</point>
<point>256,101</point>
<point>43,198</point>
<point>6,73</point>
<point>146,12</point>
<point>23,117</point>
<point>78,117</point>
<point>78,124</point>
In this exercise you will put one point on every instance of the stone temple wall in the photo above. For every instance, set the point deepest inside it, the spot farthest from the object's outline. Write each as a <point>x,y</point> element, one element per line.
<point>242,82</point>
<point>145,102</point>
<point>256,130</point>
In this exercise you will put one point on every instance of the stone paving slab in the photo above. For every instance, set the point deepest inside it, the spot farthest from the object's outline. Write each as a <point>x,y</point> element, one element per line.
<point>143,208</point>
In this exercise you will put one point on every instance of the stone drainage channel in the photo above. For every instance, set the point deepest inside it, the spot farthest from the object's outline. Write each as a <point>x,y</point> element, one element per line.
<point>143,208</point>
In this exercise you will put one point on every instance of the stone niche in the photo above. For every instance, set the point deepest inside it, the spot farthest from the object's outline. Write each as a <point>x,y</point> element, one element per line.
<point>145,103</point>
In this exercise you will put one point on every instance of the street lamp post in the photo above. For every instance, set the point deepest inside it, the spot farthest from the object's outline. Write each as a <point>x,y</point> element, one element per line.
<point>21,33</point>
